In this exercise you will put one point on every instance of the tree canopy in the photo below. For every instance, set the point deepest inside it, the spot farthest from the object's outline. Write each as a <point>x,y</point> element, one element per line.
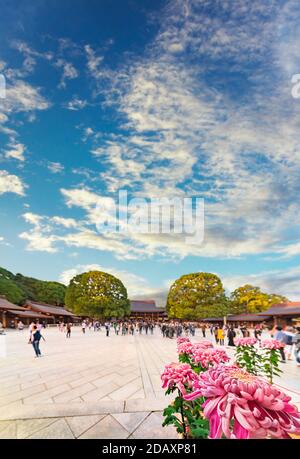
<point>11,291</point>
<point>196,296</point>
<point>97,294</point>
<point>250,299</point>
<point>18,288</point>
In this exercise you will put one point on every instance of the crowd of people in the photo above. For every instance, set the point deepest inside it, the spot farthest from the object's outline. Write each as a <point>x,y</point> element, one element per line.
<point>289,336</point>
<point>177,329</point>
<point>128,327</point>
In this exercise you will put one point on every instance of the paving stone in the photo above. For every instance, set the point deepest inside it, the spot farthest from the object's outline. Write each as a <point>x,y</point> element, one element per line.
<point>4,425</point>
<point>19,395</point>
<point>152,428</point>
<point>9,389</point>
<point>99,393</point>
<point>79,424</point>
<point>126,391</point>
<point>9,431</point>
<point>130,421</point>
<point>27,427</point>
<point>72,393</point>
<point>57,430</point>
<point>106,428</point>
<point>46,395</point>
<point>140,394</point>
<point>152,404</point>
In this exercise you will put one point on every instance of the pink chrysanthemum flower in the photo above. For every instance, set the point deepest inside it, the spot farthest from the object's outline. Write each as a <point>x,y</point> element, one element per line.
<point>185,348</point>
<point>182,340</point>
<point>248,341</point>
<point>204,343</point>
<point>180,375</point>
<point>257,409</point>
<point>271,344</point>
<point>209,357</point>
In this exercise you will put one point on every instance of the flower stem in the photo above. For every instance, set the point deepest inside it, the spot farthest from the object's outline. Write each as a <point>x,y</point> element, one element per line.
<point>182,416</point>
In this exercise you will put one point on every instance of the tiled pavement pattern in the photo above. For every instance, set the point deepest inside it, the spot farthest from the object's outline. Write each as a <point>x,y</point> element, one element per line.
<point>91,386</point>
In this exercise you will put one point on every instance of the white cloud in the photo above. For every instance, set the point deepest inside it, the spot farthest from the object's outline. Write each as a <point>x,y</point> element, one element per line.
<point>76,104</point>
<point>69,71</point>
<point>283,282</point>
<point>55,167</point>
<point>182,131</point>
<point>4,242</point>
<point>10,183</point>
<point>22,97</point>
<point>93,62</point>
<point>3,118</point>
<point>66,222</point>
<point>16,151</point>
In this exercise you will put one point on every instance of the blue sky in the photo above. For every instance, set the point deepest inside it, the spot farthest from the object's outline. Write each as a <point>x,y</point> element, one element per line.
<point>181,98</point>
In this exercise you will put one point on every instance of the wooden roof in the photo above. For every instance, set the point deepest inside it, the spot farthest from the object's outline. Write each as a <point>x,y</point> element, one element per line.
<point>144,306</point>
<point>291,308</point>
<point>27,313</point>
<point>245,318</point>
<point>44,308</point>
<point>7,305</point>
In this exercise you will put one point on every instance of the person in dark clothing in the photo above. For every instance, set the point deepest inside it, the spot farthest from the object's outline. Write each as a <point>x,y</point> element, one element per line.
<point>35,341</point>
<point>231,335</point>
<point>216,329</point>
<point>69,325</point>
<point>296,341</point>
<point>107,328</point>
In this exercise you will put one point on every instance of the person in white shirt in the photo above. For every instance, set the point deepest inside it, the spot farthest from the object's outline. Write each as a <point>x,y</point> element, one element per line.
<point>289,346</point>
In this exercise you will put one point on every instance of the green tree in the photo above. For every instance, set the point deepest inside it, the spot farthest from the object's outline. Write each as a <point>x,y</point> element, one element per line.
<point>196,296</point>
<point>51,292</point>
<point>11,291</point>
<point>250,299</point>
<point>97,294</point>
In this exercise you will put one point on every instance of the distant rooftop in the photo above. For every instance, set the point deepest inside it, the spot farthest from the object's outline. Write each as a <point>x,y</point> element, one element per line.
<point>44,308</point>
<point>7,305</point>
<point>144,306</point>
<point>292,308</point>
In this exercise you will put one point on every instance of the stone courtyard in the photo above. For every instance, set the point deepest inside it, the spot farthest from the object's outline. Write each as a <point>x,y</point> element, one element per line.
<point>91,386</point>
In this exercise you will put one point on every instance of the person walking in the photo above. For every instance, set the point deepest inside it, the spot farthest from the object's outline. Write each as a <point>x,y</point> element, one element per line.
<point>231,335</point>
<point>221,336</point>
<point>31,327</point>
<point>107,328</point>
<point>35,341</point>
<point>83,326</point>
<point>68,328</point>
<point>289,345</point>
<point>216,333</point>
<point>282,338</point>
<point>257,333</point>
<point>296,342</point>
<point>203,328</point>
